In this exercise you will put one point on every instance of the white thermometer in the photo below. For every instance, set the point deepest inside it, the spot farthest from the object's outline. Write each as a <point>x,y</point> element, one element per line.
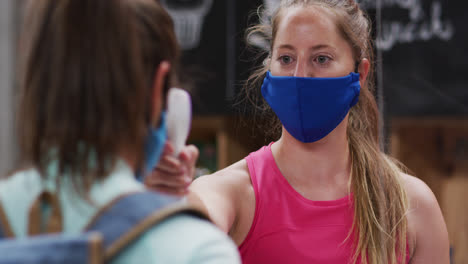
<point>179,117</point>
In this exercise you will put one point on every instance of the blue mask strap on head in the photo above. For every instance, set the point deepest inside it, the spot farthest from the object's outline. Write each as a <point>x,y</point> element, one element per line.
<point>154,146</point>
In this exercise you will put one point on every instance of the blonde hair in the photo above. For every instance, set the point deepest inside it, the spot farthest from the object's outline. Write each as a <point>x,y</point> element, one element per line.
<point>380,201</point>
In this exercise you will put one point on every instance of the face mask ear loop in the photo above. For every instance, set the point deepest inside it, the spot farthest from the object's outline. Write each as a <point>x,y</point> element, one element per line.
<point>356,67</point>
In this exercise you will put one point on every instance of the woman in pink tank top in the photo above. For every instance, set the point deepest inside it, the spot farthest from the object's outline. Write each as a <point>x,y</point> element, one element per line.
<point>324,192</point>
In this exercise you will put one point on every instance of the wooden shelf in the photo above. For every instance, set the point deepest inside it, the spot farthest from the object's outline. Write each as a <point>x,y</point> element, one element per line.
<point>436,151</point>
<point>231,141</point>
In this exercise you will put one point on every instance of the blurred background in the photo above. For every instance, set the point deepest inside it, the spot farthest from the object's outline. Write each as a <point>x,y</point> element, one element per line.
<point>422,89</point>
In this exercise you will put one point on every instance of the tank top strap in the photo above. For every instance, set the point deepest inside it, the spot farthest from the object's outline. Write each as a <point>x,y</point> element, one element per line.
<point>258,163</point>
<point>261,166</point>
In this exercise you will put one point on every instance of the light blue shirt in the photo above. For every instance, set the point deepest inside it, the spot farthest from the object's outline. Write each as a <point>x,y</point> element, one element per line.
<point>181,239</point>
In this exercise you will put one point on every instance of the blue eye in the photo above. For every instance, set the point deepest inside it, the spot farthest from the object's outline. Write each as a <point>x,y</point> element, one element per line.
<point>322,59</point>
<point>285,59</point>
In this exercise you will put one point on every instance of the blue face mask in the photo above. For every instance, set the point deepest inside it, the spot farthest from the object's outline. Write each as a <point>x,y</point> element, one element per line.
<point>154,146</point>
<point>310,108</point>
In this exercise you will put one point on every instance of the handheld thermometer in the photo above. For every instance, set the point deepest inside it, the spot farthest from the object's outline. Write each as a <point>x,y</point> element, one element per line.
<point>179,117</point>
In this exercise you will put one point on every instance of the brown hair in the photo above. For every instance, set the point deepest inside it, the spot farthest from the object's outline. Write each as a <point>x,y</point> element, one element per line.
<point>380,201</point>
<point>86,76</point>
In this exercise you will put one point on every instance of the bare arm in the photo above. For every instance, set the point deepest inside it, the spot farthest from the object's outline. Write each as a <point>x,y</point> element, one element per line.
<point>428,232</point>
<point>227,195</point>
<point>214,195</point>
<point>229,199</point>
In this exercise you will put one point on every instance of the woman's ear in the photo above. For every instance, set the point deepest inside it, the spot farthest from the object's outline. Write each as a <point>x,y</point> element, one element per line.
<point>363,70</point>
<point>158,85</point>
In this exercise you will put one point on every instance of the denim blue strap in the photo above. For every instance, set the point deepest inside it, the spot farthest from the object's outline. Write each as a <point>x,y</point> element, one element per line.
<point>52,249</point>
<point>129,216</point>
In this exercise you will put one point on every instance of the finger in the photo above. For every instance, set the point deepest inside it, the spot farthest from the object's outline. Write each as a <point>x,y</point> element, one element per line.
<point>176,181</point>
<point>171,161</point>
<point>189,154</point>
<point>158,177</point>
<point>170,170</point>
<point>170,165</point>
<point>168,148</point>
<point>189,158</point>
<point>173,184</point>
<point>169,190</point>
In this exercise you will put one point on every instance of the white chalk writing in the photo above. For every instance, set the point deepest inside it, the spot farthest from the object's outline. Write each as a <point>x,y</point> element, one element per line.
<point>394,32</point>
<point>421,25</point>
<point>419,28</point>
<point>413,6</point>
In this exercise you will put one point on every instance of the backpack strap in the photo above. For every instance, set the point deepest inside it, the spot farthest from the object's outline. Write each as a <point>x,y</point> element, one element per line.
<point>5,228</point>
<point>53,249</point>
<point>129,216</point>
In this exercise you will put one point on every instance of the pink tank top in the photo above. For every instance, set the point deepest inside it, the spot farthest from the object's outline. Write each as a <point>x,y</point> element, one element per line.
<point>288,228</point>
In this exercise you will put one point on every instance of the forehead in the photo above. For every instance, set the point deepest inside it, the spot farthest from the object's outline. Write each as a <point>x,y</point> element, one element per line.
<point>308,26</point>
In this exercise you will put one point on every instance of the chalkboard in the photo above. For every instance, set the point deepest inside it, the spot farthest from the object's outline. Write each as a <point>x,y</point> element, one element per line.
<point>424,47</point>
<point>423,43</point>
<point>201,28</point>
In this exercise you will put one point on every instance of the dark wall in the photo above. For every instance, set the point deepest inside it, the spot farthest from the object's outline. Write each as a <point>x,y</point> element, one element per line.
<point>424,45</point>
<point>425,58</point>
<point>204,64</point>
<point>213,70</point>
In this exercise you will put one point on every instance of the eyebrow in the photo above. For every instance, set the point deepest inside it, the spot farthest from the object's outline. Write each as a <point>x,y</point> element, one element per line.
<point>316,47</point>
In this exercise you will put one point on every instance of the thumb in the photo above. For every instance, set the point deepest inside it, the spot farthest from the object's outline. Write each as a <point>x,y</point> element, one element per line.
<point>189,154</point>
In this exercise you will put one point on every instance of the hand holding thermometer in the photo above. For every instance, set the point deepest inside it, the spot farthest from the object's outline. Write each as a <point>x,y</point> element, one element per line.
<point>179,117</point>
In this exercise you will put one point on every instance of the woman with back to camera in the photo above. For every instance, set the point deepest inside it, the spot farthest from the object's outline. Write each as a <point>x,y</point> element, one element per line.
<point>94,74</point>
<point>324,192</point>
